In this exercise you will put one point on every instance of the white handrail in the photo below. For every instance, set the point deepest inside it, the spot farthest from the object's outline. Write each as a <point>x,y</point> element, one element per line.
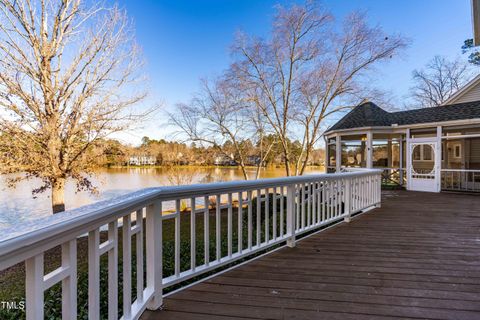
<point>284,208</point>
<point>460,180</point>
<point>460,170</point>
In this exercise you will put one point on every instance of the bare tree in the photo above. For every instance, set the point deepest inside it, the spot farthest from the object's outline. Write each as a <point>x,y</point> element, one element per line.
<point>65,75</point>
<point>219,117</point>
<point>307,71</point>
<point>438,81</point>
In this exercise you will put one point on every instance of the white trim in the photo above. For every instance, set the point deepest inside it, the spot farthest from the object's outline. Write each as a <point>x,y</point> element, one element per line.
<point>461,136</point>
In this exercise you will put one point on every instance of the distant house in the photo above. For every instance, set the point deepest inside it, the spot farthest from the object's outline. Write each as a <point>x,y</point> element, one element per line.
<point>253,161</point>
<point>428,149</point>
<point>142,160</point>
<point>224,160</point>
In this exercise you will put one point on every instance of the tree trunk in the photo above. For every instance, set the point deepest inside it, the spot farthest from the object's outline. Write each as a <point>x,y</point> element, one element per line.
<point>58,195</point>
<point>286,161</point>
<point>244,170</point>
<point>305,161</point>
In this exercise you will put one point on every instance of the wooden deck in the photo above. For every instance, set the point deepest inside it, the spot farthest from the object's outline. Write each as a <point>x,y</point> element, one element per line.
<point>416,257</point>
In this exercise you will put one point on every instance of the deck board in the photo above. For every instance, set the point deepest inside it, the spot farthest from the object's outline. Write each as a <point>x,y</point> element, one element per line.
<point>417,257</point>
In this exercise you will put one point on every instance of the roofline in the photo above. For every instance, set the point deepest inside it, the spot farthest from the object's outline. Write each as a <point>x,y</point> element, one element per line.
<point>462,90</point>
<point>406,126</point>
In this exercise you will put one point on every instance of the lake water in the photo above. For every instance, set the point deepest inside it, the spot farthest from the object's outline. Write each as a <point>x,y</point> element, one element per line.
<point>18,205</point>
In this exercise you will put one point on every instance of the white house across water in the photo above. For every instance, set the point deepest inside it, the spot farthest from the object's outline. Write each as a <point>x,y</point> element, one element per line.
<point>428,149</point>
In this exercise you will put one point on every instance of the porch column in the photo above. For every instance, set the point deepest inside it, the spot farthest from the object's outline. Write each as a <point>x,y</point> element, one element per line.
<point>327,159</point>
<point>409,157</point>
<point>389,156</point>
<point>369,150</point>
<point>389,153</point>
<point>400,164</point>
<point>338,155</point>
<point>438,159</point>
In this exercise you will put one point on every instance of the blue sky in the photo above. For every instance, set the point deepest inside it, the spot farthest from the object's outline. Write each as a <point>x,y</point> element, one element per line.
<point>184,41</point>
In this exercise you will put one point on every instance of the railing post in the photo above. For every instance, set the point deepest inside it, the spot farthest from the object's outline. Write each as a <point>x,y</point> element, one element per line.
<point>154,254</point>
<point>378,188</point>
<point>94,274</point>
<point>291,216</point>
<point>34,287</point>
<point>69,284</point>
<point>348,195</point>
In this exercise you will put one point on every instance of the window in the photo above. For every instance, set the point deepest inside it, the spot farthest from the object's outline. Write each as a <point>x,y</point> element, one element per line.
<point>332,155</point>
<point>422,153</point>
<point>457,151</point>
<point>427,152</point>
<point>417,153</point>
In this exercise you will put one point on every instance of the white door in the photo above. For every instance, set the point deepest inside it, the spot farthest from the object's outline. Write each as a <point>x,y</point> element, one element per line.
<point>424,165</point>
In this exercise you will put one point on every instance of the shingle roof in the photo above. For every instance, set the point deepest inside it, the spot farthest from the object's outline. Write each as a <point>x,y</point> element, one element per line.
<point>370,115</point>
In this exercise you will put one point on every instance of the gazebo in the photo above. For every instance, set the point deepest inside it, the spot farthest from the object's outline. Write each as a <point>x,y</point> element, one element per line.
<point>427,149</point>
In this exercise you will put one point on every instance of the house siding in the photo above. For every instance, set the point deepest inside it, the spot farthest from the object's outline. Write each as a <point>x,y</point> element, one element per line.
<point>475,151</point>
<point>473,94</point>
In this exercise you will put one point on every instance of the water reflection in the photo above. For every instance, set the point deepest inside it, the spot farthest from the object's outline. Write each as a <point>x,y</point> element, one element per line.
<point>18,205</point>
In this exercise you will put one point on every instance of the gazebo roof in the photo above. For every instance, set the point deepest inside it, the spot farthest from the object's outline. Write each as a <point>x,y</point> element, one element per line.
<point>370,115</point>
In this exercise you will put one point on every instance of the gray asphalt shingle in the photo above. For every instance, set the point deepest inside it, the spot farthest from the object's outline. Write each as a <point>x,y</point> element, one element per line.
<point>370,115</point>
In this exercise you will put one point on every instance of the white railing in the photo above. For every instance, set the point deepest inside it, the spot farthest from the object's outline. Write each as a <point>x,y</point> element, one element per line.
<point>176,234</point>
<point>461,180</point>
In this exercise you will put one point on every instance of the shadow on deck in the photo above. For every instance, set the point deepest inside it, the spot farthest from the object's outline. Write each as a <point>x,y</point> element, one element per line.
<point>416,257</point>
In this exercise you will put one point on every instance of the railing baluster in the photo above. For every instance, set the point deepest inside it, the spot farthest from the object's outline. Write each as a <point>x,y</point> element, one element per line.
<point>291,195</point>
<point>303,205</point>
<point>282,214</point>
<point>267,215</point>
<point>229,225</point>
<point>297,212</point>
<point>206,231</point>
<point>250,223</point>
<point>113,271</point>
<point>363,192</point>
<point>324,194</point>
<point>177,237</point>
<point>329,199</point>
<point>336,195</point>
<point>139,247</point>
<point>259,215</point>
<point>309,204</point>
<point>358,193</point>
<point>318,203</point>
<point>218,231</point>
<point>193,235</point>
<point>314,203</point>
<point>127,267</point>
<point>240,223</point>
<point>274,207</point>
